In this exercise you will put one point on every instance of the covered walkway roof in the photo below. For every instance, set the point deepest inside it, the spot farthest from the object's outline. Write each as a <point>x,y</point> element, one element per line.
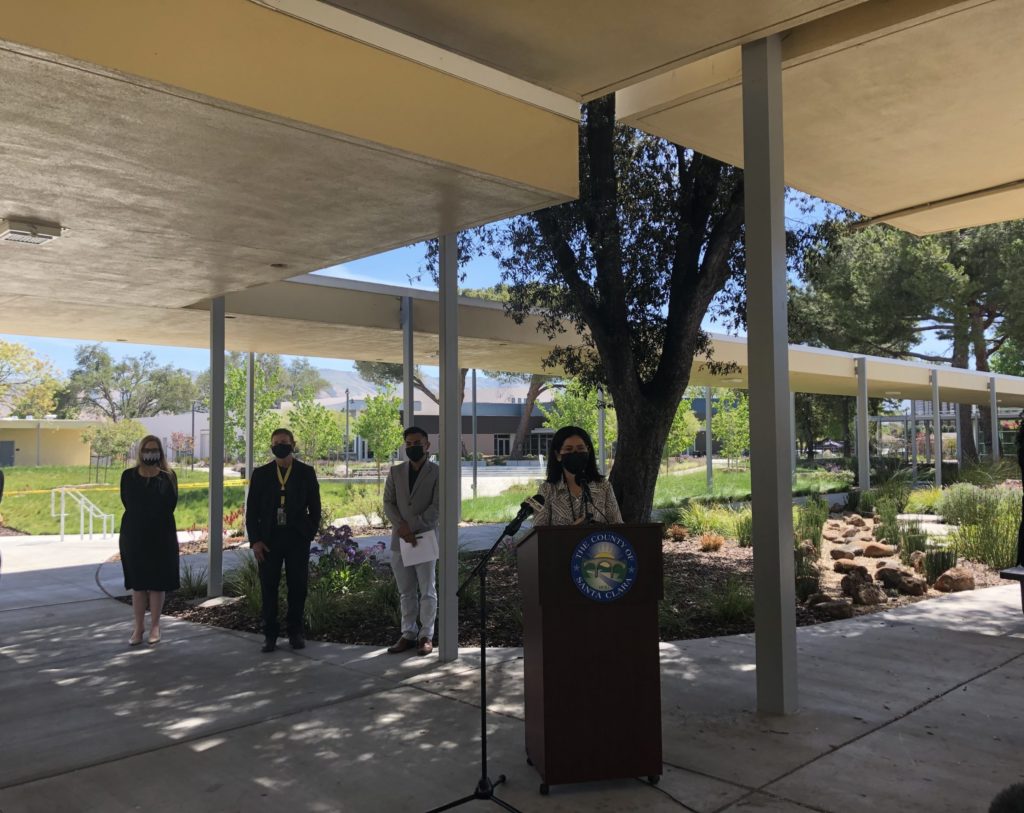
<point>327,317</point>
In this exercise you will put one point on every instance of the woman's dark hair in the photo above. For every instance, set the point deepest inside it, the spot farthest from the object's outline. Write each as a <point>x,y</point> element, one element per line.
<point>592,475</point>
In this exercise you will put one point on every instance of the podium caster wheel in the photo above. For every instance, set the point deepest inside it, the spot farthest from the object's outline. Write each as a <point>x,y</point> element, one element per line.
<point>544,790</point>
<point>654,779</point>
<point>529,761</point>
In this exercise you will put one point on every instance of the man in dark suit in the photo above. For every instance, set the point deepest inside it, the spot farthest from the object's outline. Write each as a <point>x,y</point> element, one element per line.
<point>282,515</point>
<point>411,503</point>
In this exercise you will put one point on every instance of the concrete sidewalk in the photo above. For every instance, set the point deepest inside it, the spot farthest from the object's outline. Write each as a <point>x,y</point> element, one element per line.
<point>917,709</point>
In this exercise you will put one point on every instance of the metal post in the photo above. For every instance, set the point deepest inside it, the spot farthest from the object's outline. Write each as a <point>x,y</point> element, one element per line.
<point>993,404</point>
<point>63,512</point>
<point>450,441</point>
<point>792,432</point>
<point>913,438</point>
<point>708,459</point>
<point>768,365</point>
<point>250,418</point>
<point>863,441</point>
<point>39,443</point>
<point>347,437</point>
<point>474,434</point>
<point>192,464</point>
<point>600,429</point>
<point>408,363</point>
<point>216,516</point>
<point>937,423</point>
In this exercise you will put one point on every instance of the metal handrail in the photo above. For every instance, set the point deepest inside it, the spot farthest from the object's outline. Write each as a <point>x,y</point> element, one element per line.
<point>85,506</point>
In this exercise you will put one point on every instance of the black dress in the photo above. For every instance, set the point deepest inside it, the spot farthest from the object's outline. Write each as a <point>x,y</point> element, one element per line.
<point>149,536</point>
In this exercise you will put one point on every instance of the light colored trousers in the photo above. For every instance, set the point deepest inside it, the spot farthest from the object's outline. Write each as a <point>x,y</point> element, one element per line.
<point>424,605</point>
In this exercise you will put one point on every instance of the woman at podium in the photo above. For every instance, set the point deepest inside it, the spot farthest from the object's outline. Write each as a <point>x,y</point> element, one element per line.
<point>575,492</point>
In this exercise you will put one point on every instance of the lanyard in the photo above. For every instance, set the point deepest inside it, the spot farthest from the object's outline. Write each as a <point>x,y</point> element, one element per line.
<point>283,480</point>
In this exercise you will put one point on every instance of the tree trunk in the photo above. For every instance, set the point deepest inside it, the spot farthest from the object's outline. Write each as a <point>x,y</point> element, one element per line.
<point>968,449</point>
<point>537,386</point>
<point>643,431</point>
<point>847,441</point>
<point>981,365</point>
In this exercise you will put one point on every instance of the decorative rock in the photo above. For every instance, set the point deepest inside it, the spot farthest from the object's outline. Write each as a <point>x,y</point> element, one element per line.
<point>831,535</point>
<point>856,520</point>
<point>850,533</point>
<point>913,586</point>
<point>877,550</point>
<point>917,561</point>
<point>907,583</point>
<point>818,598</point>
<point>890,576</point>
<point>866,536</point>
<point>868,595</point>
<point>954,580</point>
<point>842,553</point>
<point>849,566</point>
<point>835,609</point>
<point>807,550</point>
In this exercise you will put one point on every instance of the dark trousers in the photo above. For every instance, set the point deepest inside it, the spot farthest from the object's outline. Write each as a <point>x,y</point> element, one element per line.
<point>294,555</point>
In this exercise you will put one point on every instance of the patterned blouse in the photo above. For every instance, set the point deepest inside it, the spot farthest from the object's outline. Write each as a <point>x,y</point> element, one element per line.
<point>561,508</point>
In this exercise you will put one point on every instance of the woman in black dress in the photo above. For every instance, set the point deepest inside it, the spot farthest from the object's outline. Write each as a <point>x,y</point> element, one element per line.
<point>149,535</point>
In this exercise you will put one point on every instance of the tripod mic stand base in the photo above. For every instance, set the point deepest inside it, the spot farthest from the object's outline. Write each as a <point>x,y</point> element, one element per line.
<point>484,791</point>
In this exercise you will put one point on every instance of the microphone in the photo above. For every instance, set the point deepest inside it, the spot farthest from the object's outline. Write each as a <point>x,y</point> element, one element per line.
<point>527,508</point>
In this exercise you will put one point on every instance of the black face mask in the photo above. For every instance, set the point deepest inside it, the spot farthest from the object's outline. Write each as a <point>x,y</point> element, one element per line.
<point>281,450</point>
<point>575,462</point>
<point>151,458</point>
<point>414,453</point>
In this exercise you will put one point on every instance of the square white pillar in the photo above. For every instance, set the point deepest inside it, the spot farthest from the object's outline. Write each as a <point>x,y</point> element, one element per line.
<point>768,365</point>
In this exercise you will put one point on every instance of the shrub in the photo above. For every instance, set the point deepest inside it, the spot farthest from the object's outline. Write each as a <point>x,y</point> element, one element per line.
<point>989,473</point>
<point>711,542</point>
<point>701,519</point>
<point>853,499</point>
<point>937,560</point>
<point>888,525</point>
<point>671,515</point>
<point>924,501</point>
<point>912,538</point>
<point>810,519</point>
<point>734,603</point>
<point>866,502</point>
<point>960,503</point>
<point>193,581</point>
<point>993,542</point>
<point>322,608</point>
<point>745,529</point>
<point>244,581</point>
<point>896,487</point>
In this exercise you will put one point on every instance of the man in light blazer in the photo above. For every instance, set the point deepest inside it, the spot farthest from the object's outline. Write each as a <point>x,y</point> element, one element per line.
<point>411,503</point>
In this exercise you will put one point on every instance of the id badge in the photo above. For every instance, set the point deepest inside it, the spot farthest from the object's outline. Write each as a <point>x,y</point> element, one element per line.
<point>282,517</point>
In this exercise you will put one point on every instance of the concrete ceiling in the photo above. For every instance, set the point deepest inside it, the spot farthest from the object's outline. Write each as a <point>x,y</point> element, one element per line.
<point>326,317</point>
<point>909,112</point>
<point>182,172</point>
<point>584,48</point>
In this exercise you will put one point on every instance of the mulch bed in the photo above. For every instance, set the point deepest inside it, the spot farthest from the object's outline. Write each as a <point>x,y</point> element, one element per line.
<point>691,577</point>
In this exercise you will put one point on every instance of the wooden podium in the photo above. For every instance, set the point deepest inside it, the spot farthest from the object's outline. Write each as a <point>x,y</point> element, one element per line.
<point>590,635</point>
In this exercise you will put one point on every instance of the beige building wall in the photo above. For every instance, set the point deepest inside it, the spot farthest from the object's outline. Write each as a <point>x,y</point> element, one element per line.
<point>46,443</point>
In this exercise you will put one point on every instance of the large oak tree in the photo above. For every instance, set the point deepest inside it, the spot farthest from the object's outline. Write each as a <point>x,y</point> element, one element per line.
<point>632,268</point>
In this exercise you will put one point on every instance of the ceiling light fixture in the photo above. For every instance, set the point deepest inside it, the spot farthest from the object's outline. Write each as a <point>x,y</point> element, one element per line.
<point>892,392</point>
<point>26,231</point>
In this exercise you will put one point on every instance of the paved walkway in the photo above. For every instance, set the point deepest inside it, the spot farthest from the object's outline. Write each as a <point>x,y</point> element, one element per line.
<point>918,709</point>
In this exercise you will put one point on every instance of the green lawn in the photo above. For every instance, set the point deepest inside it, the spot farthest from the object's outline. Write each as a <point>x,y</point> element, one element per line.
<point>30,512</point>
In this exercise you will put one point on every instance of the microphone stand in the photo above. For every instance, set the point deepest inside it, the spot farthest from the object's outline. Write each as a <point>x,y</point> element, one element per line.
<point>485,787</point>
<point>588,499</point>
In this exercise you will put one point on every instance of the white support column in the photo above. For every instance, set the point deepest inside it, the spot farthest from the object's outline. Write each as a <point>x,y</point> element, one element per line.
<point>792,432</point>
<point>863,439</point>
<point>214,573</point>
<point>250,407</point>
<point>959,441</point>
<point>993,405</point>
<point>449,445</point>
<point>913,438</point>
<point>600,429</point>
<point>937,423</point>
<point>408,364</point>
<point>768,365</point>
<point>474,435</point>
<point>708,441</point>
